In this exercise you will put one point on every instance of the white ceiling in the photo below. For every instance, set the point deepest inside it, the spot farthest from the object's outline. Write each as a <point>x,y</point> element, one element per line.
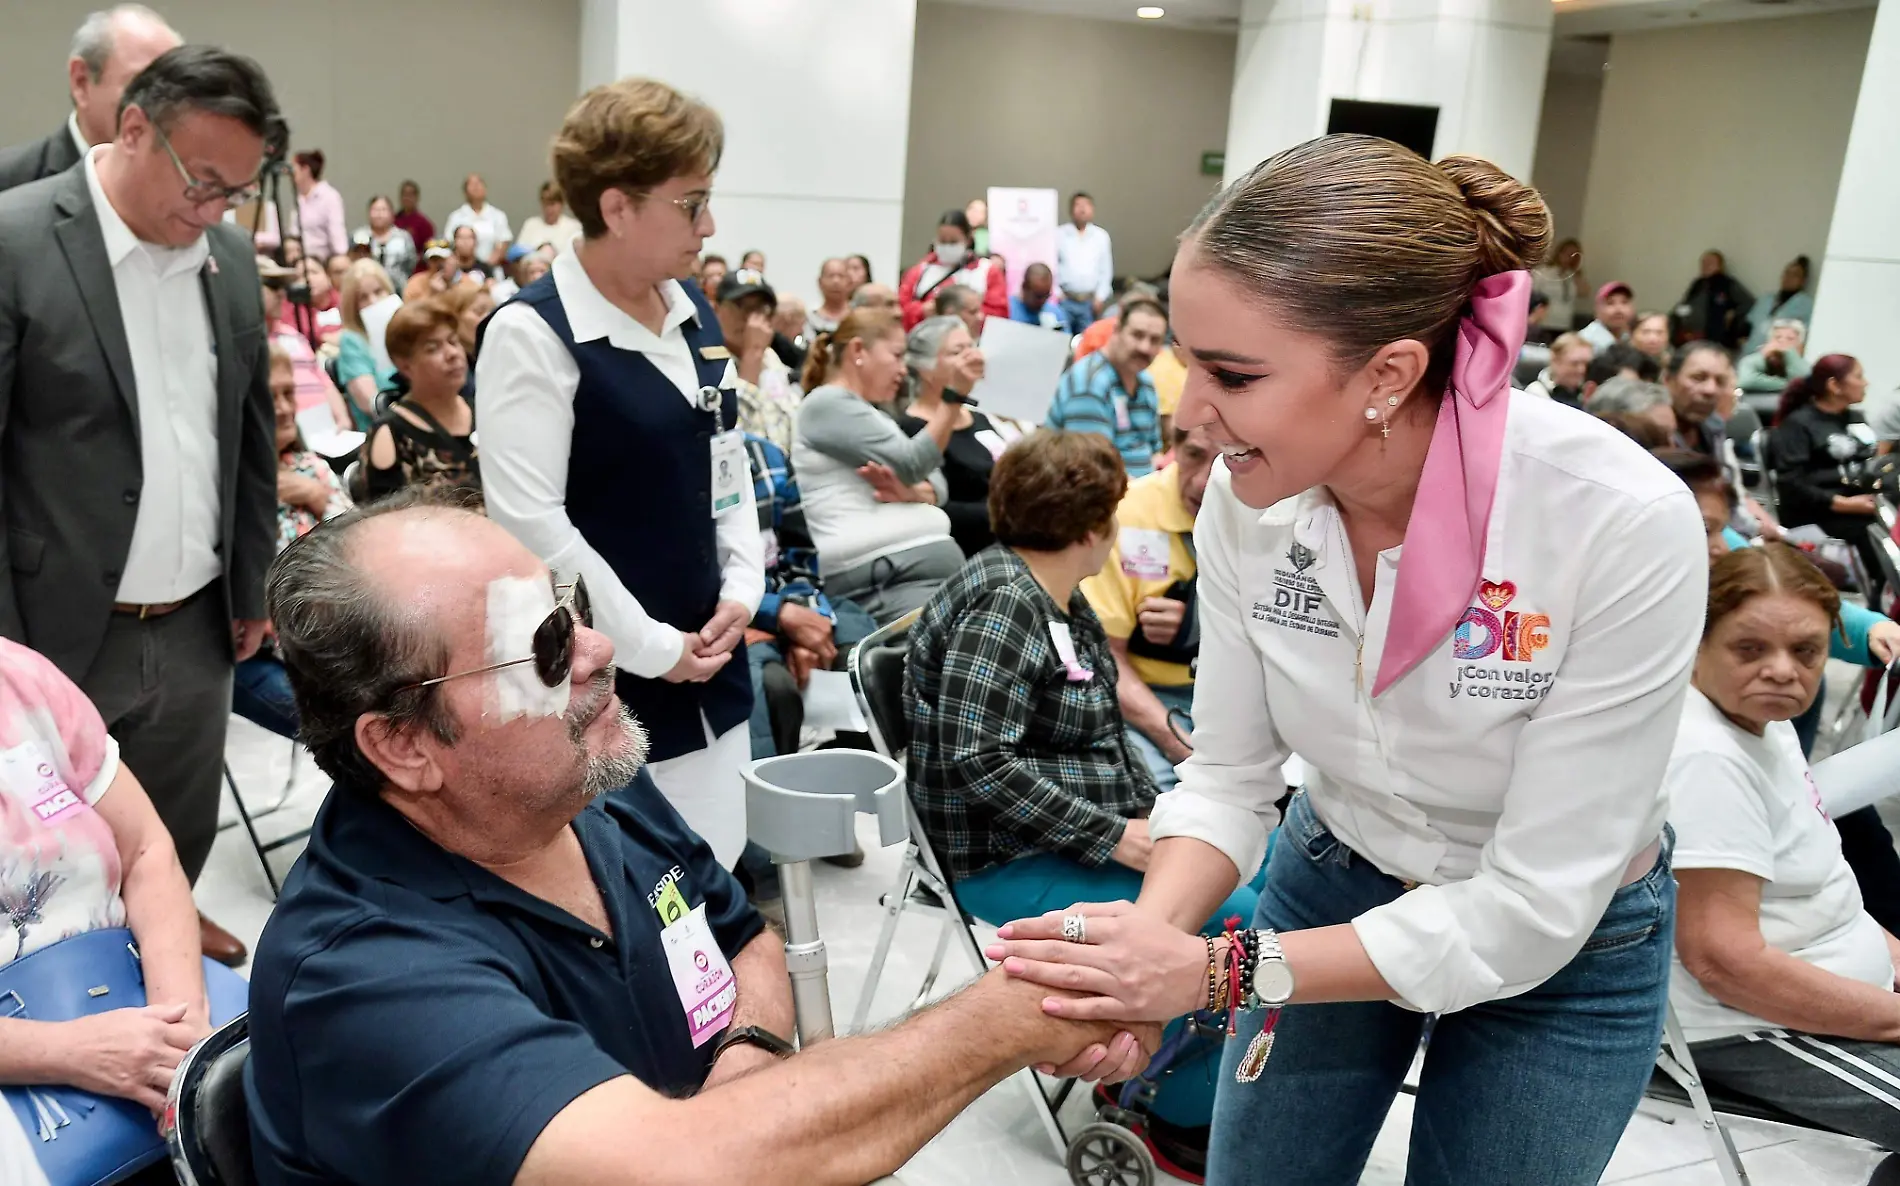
<point>1575,18</point>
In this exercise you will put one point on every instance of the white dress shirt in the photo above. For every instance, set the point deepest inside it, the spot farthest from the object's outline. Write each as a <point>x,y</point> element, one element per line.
<point>168,335</point>
<point>79,137</point>
<point>1085,261</point>
<point>1516,771</point>
<point>491,226</point>
<point>527,381</point>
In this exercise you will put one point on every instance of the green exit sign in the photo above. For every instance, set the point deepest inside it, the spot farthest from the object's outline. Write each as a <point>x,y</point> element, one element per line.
<point>1213,162</point>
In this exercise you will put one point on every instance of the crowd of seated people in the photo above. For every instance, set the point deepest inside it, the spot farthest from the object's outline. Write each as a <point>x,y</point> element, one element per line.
<point>1049,689</point>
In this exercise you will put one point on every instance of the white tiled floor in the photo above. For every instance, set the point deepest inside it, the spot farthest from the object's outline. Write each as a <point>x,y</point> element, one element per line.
<point>998,1140</point>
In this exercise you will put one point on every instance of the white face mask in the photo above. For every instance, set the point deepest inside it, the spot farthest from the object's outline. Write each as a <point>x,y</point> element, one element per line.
<point>950,254</point>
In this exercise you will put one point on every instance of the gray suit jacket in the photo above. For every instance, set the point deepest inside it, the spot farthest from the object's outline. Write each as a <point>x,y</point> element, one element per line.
<point>70,466</point>
<point>42,158</point>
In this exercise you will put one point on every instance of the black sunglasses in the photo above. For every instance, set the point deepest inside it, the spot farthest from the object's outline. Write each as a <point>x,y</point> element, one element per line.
<point>553,646</point>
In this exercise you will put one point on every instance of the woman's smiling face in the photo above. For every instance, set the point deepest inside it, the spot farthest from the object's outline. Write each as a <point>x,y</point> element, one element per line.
<point>1283,411</point>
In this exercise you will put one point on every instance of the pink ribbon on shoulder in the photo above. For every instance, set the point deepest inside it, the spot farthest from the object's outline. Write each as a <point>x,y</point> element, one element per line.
<point>1442,563</point>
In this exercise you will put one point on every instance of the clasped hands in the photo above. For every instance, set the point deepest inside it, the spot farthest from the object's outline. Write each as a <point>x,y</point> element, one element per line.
<point>705,651</point>
<point>1136,969</point>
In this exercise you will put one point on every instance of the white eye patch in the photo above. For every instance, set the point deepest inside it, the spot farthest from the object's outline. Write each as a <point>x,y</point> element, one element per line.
<point>516,608</point>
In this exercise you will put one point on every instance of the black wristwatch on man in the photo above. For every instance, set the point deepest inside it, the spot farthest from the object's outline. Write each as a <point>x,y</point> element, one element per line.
<point>753,1035</point>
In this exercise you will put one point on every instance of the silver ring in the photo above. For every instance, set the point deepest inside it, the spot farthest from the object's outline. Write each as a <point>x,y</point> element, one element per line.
<point>1075,928</point>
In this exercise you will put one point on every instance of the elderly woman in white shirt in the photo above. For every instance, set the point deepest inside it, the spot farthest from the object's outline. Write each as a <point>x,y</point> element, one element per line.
<point>1473,616</point>
<point>1774,945</point>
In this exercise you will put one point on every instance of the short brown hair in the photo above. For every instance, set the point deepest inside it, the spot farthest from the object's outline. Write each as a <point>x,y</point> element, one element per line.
<point>551,192</point>
<point>1364,242</point>
<point>631,135</point>
<point>415,321</point>
<point>1747,573</point>
<point>1140,304</point>
<point>1052,488</point>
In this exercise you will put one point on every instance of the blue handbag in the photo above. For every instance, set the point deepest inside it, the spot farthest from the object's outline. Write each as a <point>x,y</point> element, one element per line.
<point>83,1139</point>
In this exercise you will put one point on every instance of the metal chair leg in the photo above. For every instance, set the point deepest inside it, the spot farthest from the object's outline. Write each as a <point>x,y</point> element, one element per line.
<point>257,845</point>
<point>894,903</point>
<point>936,962</point>
<point>1676,1062</point>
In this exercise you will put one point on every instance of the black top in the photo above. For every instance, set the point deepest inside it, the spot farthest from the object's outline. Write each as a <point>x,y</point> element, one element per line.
<point>415,1019</point>
<point>966,470</point>
<point>431,456</point>
<point>1813,455</point>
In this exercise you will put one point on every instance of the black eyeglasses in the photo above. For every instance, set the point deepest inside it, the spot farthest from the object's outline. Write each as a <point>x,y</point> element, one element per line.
<point>553,645</point>
<point>197,191</point>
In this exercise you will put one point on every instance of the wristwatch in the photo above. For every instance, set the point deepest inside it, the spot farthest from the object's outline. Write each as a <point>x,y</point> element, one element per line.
<point>752,1035</point>
<point>1272,975</point>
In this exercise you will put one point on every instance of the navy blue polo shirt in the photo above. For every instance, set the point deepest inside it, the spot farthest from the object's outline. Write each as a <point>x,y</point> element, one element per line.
<point>416,1019</point>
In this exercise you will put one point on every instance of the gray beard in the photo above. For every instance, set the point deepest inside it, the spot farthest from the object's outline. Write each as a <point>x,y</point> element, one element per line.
<point>616,767</point>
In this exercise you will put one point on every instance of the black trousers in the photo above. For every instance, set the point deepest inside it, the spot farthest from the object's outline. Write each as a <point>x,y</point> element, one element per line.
<point>163,686</point>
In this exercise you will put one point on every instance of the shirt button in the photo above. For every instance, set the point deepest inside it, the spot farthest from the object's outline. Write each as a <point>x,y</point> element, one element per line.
<point>131,498</point>
<point>112,577</point>
<point>596,943</point>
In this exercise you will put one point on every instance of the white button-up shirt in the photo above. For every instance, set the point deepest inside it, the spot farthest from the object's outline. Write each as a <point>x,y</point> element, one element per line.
<point>527,380</point>
<point>175,370</point>
<point>1085,260</point>
<point>1516,771</point>
<point>491,227</point>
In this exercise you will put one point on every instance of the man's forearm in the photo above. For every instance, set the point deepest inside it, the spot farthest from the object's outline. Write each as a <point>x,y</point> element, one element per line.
<point>765,991</point>
<point>1140,706</point>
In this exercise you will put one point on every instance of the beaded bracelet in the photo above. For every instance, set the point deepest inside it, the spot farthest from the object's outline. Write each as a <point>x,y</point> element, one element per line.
<point>1213,976</point>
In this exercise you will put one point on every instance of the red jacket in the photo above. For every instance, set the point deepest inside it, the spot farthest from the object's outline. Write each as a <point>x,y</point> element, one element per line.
<point>978,273</point>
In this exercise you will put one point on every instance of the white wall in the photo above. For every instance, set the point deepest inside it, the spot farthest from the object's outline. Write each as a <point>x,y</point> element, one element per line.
<point>1119,109</point>
<point>1566,135</point>
<point>815,95</point>
<point>1726,136</point>
<point>1858,304</point>
<point>426,89</point>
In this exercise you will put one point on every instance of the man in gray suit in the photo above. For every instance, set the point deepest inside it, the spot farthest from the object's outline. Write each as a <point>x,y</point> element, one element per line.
<point>138,473</point>
<point>108,51</point>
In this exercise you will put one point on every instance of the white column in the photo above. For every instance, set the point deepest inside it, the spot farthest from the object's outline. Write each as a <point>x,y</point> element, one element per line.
<point>815,95</point>
<point>1858,301</point>
<point>1480,62</point>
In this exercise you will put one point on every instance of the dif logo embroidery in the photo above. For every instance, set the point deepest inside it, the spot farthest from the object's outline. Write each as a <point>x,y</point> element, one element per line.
<point>1482,633</point>
<point>1488,628</point>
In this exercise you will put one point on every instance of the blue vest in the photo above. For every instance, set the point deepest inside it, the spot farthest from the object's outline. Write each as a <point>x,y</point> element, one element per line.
<point>639,488</point>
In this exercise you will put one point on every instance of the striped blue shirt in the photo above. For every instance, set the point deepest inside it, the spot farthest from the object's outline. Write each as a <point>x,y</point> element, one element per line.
<point>1091,398</point>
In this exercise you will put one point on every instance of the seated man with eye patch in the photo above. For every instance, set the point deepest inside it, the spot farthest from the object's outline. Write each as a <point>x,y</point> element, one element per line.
<point>484,970</point>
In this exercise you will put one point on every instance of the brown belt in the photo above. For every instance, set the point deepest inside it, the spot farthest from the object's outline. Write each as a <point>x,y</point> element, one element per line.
<point>142,612</point>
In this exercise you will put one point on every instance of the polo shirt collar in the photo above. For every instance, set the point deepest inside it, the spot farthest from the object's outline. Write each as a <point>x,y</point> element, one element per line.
<point>371,839</point>
<point>591,316</point>
<point>119,239</point>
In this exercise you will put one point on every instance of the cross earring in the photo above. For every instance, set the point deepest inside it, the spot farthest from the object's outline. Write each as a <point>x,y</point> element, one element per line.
<point>1385,429</point>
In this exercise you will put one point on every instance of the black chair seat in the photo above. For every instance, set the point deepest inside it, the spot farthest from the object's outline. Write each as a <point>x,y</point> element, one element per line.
<point>211,1139</point>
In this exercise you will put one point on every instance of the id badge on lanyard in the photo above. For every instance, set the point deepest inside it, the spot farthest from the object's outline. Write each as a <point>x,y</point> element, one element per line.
<point>730,471</point>
<point>707,989</point>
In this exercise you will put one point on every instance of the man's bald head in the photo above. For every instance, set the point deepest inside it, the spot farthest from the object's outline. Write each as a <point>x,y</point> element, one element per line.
<point>108,52</point>
<point>874,296</point>
<point>1038,283</point>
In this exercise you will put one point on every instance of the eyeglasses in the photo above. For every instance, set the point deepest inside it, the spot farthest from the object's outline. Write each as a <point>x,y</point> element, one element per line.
<point>553,644</point>
<point>200,192</point>
<point>694,206</point>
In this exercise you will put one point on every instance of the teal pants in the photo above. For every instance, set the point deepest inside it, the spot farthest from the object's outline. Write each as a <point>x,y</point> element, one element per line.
<point>1041,882</point>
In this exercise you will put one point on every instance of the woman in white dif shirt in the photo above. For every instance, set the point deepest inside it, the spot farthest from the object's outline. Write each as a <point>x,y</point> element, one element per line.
<point>1774,945</point>
<point>1486,723</point>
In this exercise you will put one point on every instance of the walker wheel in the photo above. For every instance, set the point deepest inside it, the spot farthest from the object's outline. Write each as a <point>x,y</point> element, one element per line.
<point>1109,1155</point>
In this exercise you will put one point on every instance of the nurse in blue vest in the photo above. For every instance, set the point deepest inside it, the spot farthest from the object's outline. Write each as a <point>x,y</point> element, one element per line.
<point>610,445</point>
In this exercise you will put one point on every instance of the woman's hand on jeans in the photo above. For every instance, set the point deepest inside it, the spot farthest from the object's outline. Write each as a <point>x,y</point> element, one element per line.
<point>1134,967</point>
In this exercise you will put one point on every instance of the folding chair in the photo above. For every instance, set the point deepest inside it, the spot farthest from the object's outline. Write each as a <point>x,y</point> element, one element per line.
<point>249,819</point>
<point>209,1134</point>
<point>876,667</point>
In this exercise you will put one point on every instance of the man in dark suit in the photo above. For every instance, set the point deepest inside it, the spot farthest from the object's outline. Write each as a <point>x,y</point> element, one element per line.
<point>108,51</point>
<point>137,459</point>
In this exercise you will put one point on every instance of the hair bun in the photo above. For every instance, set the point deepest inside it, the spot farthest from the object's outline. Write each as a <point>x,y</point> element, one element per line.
<point>1513,222</point>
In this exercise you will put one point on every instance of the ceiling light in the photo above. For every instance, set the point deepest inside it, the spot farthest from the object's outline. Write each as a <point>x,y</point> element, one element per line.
<point>1151,12</point>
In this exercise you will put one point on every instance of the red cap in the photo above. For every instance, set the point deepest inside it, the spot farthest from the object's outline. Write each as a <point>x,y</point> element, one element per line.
<point>1615,286</point>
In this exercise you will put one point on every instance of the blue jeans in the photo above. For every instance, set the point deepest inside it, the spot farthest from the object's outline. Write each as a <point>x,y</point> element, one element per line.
<point>1035,884</point>
<point>260,693</point>
<point>1081,314</point>
<point>1181,698</point>
<point>1535,1088</point>
<point>851,625</point>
